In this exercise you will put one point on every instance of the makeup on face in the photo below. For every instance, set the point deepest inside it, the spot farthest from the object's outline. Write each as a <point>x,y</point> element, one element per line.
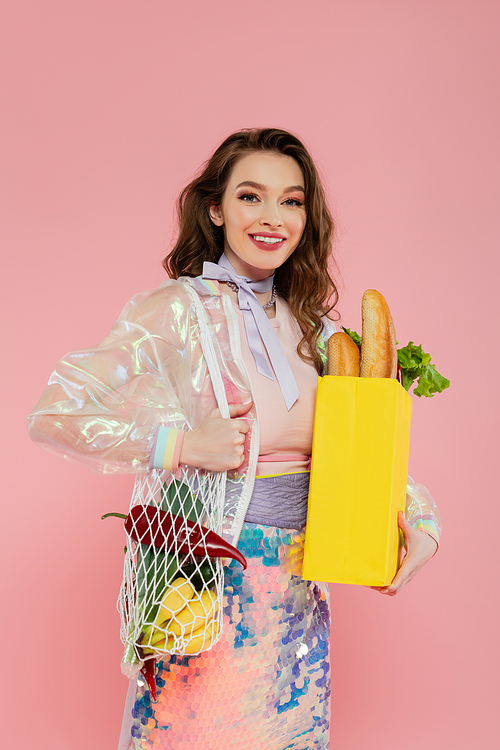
<point>262,212</point>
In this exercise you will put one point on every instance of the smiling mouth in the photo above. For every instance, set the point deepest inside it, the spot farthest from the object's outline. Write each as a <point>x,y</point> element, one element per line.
<point>267,240</point>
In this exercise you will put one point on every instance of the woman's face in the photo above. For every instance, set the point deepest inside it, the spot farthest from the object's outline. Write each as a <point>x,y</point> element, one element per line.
<point>262,212</point>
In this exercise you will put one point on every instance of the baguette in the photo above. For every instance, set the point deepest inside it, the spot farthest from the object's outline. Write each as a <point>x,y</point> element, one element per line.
<point>343,355</point>
<point>379,357</point>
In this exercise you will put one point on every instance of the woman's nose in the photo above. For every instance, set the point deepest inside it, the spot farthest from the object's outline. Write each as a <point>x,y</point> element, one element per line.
<point>271,217</point>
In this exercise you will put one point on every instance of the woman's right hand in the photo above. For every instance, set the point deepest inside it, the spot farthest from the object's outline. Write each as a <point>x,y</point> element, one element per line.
<point>217,444</point>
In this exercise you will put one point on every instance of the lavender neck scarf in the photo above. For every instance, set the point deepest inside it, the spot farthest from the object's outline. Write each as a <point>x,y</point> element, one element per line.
<point>258,326</point>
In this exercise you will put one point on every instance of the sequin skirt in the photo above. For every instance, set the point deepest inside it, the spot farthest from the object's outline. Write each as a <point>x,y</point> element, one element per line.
<point>266,684</point>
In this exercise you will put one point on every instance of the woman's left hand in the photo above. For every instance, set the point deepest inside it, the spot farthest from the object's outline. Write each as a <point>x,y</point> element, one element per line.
<point>420,547</point>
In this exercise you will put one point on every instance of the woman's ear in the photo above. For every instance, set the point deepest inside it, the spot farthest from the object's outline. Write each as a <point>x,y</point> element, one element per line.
<point>215,214</point>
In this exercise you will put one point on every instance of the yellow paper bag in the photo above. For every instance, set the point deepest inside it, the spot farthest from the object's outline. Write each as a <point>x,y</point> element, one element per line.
<point>358,480</point>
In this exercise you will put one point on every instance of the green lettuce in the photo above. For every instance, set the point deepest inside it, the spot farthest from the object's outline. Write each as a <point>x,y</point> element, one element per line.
<point>415,365</point>
<point>355,336</point>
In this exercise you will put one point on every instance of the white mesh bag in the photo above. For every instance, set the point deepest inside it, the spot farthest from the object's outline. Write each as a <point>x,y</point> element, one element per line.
<point>170,599</point>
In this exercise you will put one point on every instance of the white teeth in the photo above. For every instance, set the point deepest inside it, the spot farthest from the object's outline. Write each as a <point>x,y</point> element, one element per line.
<point>267,240</point>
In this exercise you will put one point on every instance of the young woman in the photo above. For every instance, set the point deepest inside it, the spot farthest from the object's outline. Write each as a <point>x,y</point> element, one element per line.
<point>254,241</point>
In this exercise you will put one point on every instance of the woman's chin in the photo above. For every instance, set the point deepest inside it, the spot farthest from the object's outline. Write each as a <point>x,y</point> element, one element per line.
<point>257,262</point>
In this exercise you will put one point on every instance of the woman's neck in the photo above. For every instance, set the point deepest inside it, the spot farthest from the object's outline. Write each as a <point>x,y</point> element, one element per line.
<point>244,269</point>
<point>263,298</point>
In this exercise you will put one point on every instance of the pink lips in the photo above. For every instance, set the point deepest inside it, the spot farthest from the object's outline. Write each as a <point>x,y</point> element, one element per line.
<point>264,245</point>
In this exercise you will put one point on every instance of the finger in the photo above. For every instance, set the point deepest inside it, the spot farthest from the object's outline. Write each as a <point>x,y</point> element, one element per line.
<point>242,457</point>
<point>397,582</point>
<point>401,521</point>
<point>391,590</point>
<point>405,574</point>
<point>405,527</point>
<point>242,426</point>
<point>236,410</point>
<point>239,427</point>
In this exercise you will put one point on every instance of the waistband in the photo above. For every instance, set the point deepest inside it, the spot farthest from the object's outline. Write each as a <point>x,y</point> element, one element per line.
<point>282,463</point>
<point>280,501</point>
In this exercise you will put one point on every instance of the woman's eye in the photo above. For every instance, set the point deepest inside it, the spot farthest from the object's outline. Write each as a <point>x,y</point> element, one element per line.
<point>293,202</point>
<point>248,198</point>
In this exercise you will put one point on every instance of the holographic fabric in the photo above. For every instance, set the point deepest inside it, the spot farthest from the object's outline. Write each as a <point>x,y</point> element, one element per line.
<point>102,406</point>
<point>266,684</point>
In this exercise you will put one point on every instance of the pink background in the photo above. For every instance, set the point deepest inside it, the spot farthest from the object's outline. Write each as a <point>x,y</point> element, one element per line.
<point>109,106</point>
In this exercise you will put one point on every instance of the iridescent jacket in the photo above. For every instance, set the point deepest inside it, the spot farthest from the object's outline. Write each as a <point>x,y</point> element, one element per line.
<point>102,406</point>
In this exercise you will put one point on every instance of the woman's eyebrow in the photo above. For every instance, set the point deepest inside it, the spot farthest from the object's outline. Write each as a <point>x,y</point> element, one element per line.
<point>258,186</point>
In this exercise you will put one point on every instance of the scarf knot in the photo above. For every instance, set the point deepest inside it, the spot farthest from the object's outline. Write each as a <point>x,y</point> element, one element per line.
<point>258,326</point>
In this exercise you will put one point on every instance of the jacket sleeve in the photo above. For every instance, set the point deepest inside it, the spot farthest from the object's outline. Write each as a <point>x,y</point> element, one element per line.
<point>421,510</point>
<point>102,406</point>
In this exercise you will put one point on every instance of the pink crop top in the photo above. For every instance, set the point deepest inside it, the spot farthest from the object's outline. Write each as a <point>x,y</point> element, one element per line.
<point>283,432</point>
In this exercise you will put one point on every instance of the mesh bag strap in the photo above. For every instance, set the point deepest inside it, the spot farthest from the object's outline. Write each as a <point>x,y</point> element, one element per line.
<point>171,595</point>
<point>209,354</point>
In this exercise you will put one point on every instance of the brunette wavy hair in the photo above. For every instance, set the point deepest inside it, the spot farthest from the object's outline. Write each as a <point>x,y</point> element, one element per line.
<point>304,280</point>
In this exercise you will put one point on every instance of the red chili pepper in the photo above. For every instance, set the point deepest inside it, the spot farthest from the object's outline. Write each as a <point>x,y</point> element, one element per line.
<point>149,672</point>
<point>151,525</point>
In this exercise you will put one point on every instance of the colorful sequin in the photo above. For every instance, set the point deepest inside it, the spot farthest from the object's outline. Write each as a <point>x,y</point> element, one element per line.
<point>266,684</point>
